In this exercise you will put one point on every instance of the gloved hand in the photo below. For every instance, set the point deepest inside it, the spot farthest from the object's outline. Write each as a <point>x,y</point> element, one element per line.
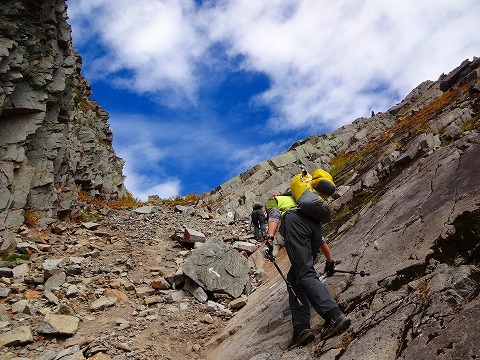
<point>269,249</point>
<point>329,268</point>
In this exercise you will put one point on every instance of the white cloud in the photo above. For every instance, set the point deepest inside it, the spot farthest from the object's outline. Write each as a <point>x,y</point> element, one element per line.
<point>321,56</point>
<point>155,41</point>
<point>135,183</point>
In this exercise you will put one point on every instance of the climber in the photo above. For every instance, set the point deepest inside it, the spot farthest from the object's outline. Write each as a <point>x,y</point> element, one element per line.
<point>303,241</point>
<point>257,218</point>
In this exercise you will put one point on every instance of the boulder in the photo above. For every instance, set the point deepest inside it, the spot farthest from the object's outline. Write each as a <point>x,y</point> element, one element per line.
<point>192,236</point>
<point>218,267</point>
<point>54,324</point>
<point>21,335</point>
<point>146,209</point>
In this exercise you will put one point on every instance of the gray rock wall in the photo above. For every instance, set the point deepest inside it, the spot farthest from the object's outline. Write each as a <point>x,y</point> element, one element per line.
<point>53,138</point>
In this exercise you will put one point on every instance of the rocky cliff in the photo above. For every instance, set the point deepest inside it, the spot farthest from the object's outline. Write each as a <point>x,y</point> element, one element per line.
<point>54,140</point>
<point>407,211</point>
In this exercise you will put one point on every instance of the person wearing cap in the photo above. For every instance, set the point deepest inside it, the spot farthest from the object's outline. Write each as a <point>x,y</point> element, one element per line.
<point>257,219</point>
<point>303,239</point>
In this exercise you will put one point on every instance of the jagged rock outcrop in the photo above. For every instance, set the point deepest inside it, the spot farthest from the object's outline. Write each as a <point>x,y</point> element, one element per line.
<point>54,139</point>
<point>407,211</point>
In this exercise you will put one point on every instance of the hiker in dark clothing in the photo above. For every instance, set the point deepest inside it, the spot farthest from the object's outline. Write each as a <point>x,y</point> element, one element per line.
<point>303,241</point>
<point>257,218</point>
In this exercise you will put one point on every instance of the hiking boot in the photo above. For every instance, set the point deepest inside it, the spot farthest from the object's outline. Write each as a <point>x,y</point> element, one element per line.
<point>301,339</point>
<point>335,327</point>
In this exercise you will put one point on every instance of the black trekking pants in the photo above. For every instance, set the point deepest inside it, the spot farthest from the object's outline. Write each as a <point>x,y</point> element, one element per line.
<point>303,238</point>
<point>260,230</point>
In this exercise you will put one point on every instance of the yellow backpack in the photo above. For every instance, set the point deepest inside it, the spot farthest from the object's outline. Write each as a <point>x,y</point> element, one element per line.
<point>310,192</point>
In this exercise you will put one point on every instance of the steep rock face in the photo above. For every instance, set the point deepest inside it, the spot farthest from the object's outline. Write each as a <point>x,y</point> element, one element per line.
<point>407,211</point>
<point>53,138</point>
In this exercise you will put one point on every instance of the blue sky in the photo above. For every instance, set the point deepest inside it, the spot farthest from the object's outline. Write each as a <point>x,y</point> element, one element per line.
<point>201,91</point>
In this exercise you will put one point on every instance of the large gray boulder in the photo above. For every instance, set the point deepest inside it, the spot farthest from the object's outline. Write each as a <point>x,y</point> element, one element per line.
<point>218,267</point>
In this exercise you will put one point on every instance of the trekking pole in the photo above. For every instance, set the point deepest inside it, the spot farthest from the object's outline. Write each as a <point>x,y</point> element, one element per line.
<point>361,273</point>
<point>289,286</point>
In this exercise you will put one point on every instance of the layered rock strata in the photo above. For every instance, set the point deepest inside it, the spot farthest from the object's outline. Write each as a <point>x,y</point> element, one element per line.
<point>54,139</point>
